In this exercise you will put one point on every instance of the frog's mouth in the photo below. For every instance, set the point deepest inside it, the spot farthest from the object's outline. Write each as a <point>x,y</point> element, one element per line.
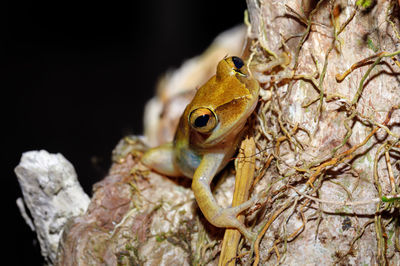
<point>225,137</point>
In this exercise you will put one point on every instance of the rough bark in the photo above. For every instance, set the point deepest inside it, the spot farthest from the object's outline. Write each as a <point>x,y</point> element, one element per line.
<point>335,133</point>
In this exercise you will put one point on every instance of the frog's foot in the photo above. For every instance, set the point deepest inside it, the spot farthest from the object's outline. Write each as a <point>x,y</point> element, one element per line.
<point>228,218</point>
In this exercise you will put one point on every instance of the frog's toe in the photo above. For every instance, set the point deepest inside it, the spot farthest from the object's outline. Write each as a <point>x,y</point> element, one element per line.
<point>244,206</point>
<point>250,236</point>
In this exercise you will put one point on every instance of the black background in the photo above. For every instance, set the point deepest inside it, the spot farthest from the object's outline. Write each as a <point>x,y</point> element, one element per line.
<point>77,75</point>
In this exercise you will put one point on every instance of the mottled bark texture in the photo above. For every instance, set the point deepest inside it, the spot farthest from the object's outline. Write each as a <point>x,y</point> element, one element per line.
<point>331,138</point>
<point>328,155</point>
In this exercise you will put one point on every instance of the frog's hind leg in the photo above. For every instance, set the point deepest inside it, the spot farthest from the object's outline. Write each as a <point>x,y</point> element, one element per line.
<point>162,160</point>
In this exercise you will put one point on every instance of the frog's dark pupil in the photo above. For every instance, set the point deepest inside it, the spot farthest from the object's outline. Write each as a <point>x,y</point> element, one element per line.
<point>201,121</point>
<point>238,62</point>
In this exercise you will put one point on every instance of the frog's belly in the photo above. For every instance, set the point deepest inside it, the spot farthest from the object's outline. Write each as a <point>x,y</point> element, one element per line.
<point>187,161</point>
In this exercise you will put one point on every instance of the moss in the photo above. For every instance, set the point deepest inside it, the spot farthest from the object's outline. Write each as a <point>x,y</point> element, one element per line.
<point>364,3</point>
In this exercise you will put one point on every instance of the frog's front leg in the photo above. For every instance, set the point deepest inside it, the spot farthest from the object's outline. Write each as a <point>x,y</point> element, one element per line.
<point>216,215</point>
<point>162,159</point>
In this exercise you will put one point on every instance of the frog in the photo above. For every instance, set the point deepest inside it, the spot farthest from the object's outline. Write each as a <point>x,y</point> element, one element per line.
<point>207,136</point>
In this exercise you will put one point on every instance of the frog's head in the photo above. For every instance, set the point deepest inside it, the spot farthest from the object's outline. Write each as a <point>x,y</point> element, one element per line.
<point>221,106</point>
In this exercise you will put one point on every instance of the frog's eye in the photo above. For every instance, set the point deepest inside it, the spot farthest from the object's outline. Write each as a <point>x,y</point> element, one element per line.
<point>202,120</point>
<point>238,62</point>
